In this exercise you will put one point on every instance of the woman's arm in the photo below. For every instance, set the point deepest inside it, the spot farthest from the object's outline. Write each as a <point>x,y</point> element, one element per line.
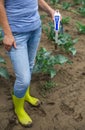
<point>3,19</point>
<point>8,37</point>
<point>45,7</point>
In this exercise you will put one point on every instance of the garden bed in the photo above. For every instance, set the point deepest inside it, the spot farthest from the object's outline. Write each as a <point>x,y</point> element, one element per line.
<point>63,104</point>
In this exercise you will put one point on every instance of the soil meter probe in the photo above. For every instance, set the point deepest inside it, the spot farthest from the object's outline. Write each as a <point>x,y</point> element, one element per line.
<point>57,22</point>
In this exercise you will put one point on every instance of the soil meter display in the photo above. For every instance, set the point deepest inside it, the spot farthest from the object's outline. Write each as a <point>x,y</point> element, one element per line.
<point>56,20</point>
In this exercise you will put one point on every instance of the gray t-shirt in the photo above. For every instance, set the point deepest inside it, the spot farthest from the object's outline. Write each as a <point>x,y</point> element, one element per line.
<point>23,15</point>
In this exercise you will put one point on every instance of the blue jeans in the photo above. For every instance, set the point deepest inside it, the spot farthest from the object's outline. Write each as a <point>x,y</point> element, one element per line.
<point>23,58</point>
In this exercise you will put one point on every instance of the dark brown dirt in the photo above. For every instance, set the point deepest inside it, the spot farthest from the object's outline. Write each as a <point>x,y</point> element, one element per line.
<point>63,107</point>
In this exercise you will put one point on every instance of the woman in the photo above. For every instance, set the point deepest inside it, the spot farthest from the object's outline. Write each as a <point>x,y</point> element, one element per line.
<point>22,31</point>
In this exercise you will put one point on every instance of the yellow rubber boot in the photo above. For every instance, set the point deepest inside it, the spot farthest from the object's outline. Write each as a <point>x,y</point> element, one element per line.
<point>23,117</point>
<point>32,100</point>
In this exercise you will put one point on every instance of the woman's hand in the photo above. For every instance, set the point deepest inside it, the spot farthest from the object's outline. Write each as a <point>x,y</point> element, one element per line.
<point>8,42</point>
<point>52,12</point>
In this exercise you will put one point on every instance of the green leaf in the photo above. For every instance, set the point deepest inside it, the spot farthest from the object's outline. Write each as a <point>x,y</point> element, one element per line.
<point>2,60</point>
<point>80,27</point>
<point>52,73</point>
<point>81,10</point>
<point>66,5</point>
<point>65,20</point>
<point>4,72</point>
<point>75,40</point>
<point>65,42</point>
<point>42,16</point>
<point>60,59</point>
<point>1,39</point>
<point>54,1</point>
<point>72,50</point>
<point>49,30</point>
<point>77,1</point>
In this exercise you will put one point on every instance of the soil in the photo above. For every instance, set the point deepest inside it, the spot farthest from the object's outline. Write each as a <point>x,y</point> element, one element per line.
<point>63,106</point>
